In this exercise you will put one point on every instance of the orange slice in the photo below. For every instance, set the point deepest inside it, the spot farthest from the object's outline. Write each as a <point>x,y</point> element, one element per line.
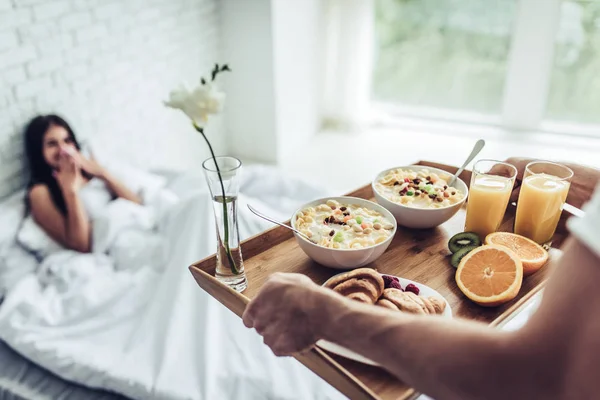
<point>490,275</point>
<point>532,255</point>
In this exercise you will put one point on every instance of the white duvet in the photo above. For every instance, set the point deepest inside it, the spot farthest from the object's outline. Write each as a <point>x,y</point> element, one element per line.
<point>135,322</point>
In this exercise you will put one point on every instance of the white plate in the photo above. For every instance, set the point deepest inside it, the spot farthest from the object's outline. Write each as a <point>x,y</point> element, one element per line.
<point>424,290</point>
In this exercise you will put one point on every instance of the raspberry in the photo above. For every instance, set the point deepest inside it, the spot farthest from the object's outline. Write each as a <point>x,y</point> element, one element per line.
<point>391,282</point>
<point>395,285</point>
<point>412,288</point>
<point>387,280</point>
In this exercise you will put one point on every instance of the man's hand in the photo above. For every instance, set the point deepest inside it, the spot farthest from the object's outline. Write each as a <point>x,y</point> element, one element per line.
<point>288,312</point>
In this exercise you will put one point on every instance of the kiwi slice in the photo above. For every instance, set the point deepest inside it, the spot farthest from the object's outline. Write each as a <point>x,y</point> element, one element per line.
<point>456,257</point>
<point>463,239</point>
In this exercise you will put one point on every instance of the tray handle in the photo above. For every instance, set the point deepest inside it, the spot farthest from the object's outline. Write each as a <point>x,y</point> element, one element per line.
<point>231,299</point>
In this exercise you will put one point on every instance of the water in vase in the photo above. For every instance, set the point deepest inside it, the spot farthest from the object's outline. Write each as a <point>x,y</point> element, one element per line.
<point>230,264</point>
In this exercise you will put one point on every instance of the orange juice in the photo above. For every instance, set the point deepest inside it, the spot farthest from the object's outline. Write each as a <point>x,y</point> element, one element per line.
<point>488,198</point>
<point>540,205</point>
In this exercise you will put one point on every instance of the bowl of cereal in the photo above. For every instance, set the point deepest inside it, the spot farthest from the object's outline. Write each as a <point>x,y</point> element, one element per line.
<point>344,232</point>
<point>419,197</point>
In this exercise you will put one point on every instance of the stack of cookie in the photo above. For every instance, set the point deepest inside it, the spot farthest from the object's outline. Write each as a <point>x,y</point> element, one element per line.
<point>367,286</point>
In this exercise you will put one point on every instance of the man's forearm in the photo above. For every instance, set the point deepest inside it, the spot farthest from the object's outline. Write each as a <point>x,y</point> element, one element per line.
<point>451,360</point>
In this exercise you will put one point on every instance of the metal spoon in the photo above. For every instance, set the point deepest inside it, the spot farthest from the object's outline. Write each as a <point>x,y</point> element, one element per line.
<point>573,210</point>
<point>476,149</point>
<point>279,223</point>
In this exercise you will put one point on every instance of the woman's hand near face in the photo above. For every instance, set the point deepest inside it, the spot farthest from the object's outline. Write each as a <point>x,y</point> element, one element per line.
<point>68,174</point>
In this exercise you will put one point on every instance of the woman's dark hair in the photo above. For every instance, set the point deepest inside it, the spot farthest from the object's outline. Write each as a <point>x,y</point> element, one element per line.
<point>40,171</point>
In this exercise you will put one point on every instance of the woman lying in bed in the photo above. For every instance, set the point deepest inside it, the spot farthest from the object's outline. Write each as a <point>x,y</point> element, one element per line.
<point>129,317</point>
<point>65,186</point>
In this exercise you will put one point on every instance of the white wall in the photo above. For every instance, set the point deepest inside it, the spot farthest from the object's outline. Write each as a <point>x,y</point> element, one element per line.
<point>348,58</point>
<point>274,47</point>
<point>105,66</point>
<point>247,39</point>
<point>297,40</point>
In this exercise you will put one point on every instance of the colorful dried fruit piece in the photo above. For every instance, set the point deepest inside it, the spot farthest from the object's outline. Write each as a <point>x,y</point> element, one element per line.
<point>359,219</point>
<point>412,288</point>
<point>339,237</point>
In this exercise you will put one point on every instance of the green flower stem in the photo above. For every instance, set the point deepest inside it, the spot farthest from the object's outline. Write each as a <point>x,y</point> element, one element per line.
<point>234,268</point>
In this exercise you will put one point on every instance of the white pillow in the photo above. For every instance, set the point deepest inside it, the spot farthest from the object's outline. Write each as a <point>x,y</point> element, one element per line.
<point>143,183</point>
<point>34,239</point>
<point>140,181</point>
<point>15,262</point>
<point>12,210</point>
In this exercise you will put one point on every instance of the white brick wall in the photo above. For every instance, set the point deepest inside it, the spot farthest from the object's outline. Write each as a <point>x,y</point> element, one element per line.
<point>8,39</point>
<point>105,66</point>
<point>51,9</point>
<point>5,5</point>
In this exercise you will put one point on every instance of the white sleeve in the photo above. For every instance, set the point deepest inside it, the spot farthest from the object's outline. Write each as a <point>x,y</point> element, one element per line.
<point>587,229</point>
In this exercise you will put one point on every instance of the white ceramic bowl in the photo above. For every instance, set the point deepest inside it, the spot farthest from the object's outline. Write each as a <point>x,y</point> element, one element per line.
<point>421,218</point>
<point>345,258</point>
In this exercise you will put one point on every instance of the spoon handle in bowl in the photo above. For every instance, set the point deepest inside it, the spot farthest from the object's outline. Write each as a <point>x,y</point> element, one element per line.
<point>277,222</point>
<point>476,149</point>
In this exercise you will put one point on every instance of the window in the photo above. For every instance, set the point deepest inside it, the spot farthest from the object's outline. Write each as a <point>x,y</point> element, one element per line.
<point>575,81</point>
<point>526,63</point>
<point>444,54</point>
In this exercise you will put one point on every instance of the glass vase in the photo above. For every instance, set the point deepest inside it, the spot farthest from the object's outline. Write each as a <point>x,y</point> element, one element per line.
<point>223,177</point>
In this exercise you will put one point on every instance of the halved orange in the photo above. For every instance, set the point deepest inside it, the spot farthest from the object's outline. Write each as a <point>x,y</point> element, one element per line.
<point>532,255</point>
<point>490,275</point>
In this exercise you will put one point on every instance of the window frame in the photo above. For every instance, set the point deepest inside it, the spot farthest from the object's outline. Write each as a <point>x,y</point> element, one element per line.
<point>527,81</point>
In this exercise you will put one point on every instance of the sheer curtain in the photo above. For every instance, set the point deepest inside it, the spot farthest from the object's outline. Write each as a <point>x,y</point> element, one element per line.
<point>348,61</point>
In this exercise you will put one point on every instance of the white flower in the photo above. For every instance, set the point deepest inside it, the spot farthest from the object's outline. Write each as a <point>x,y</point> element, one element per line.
<point>197,103</point>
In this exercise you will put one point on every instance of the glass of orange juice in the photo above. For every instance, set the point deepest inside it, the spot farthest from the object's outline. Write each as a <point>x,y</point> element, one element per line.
<point>491,185</point>
<point>543,193</point>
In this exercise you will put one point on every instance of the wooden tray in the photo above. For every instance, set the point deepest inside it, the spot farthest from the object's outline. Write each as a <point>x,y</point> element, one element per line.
<point>422,256</point>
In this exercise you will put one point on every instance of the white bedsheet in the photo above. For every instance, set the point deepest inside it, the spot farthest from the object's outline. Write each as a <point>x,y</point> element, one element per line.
<point>150,332</point>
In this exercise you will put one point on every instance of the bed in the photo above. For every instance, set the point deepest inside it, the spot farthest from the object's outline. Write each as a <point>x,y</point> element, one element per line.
<point>21,379</point>
<point>146,332</point>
